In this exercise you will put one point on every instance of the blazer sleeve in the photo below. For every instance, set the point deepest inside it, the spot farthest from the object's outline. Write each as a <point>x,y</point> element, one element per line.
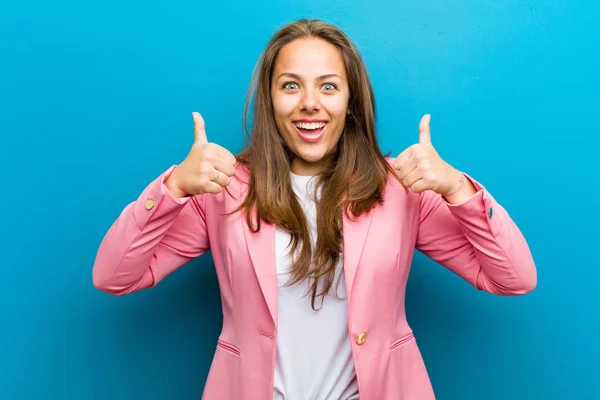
<point>478,241</point>
<point>152,237</point>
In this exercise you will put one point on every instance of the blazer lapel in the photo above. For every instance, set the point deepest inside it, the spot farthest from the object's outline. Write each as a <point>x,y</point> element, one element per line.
<point>355,236</point>
<point>261,246</point>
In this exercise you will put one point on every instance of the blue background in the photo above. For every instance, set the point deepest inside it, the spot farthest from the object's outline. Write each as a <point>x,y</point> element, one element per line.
<point>96,101</point>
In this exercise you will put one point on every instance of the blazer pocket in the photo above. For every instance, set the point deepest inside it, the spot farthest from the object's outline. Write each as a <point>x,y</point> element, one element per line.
<point>228,347</point>
<point>402,340</point>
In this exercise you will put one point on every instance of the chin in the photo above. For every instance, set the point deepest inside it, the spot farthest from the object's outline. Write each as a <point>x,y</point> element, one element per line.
<point>311,157</point>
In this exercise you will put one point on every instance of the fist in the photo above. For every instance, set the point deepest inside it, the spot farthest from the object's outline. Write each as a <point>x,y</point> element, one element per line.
<point>206,169</point>
<point>420,167</point>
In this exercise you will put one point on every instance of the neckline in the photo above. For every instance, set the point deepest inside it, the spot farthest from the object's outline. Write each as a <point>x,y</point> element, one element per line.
<point>301,177</point>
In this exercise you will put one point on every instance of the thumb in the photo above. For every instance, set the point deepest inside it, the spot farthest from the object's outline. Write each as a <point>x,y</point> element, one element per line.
<point>199,131</point>
<point>424,131</point>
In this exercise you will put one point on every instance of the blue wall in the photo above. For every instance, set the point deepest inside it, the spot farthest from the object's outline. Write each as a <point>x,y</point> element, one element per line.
<point>96,101</point>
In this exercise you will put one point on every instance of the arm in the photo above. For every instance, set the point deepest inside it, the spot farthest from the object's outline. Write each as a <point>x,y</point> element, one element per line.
<point>153,236</point>
<point>477,240</point>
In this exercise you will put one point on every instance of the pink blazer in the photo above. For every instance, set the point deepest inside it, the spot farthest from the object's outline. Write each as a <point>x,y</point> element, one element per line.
<point>156,234</point>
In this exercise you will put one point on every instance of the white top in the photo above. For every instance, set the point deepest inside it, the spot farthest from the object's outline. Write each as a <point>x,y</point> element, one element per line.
<point>314,355</point>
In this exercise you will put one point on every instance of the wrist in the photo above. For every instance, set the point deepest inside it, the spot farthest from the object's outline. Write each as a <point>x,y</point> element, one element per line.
<point>459,182</point>
<point>173,188</point>
<point>462,191</point>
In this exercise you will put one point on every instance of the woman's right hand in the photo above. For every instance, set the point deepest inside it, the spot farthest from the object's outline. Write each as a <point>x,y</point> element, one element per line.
<point>206,169</point>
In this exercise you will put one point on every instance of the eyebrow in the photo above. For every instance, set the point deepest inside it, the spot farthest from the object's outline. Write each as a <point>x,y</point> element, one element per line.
<point>320,78</point>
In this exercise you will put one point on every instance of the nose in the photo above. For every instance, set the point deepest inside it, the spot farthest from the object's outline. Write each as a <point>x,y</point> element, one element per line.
<point>309,101</point>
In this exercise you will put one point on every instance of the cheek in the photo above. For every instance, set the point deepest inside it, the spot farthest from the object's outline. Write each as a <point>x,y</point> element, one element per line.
<point>283,106</point>
<point>337,107</point>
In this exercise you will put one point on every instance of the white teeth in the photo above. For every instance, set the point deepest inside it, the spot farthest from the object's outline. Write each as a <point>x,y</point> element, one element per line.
<point>313,125</point>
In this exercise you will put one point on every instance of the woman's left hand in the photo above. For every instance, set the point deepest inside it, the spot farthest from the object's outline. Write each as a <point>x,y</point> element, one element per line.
<point>420,167</point>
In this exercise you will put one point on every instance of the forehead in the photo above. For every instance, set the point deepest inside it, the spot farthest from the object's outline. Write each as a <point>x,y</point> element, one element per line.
<point>309,58</point>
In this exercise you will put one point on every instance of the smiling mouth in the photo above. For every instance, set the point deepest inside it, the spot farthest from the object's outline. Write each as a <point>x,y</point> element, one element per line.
<point>310,132</point>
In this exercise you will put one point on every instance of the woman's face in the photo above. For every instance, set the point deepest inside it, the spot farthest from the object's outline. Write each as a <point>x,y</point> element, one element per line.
<point>310,93</point>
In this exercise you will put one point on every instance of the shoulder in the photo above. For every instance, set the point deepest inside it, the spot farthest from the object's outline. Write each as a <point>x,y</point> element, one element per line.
<point>241,179</point>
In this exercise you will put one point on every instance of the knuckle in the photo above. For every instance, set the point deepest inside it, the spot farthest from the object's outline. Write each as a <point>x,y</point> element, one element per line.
<point>205,179</point>
<point>205,168</point>
<point>207,150</point>
<point>429,176</point>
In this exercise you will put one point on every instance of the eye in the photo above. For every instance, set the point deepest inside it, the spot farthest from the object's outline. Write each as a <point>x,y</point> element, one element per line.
<point>329,87</point>
<point>290,85</point>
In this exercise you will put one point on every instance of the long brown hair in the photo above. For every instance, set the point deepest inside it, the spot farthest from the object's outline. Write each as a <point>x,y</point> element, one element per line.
<point>352,181</point>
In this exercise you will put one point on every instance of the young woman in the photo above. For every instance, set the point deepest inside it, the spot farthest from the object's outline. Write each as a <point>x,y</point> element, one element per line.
<point>312,232</point>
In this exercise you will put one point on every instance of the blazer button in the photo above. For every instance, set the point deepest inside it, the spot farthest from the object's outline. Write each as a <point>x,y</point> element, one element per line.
<point>149,203</point>
<point>361,338</point>
<point>491,212</point>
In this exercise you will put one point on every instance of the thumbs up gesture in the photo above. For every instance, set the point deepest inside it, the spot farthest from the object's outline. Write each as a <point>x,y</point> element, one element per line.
<point>206,169</point>
<point>420,168</point>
